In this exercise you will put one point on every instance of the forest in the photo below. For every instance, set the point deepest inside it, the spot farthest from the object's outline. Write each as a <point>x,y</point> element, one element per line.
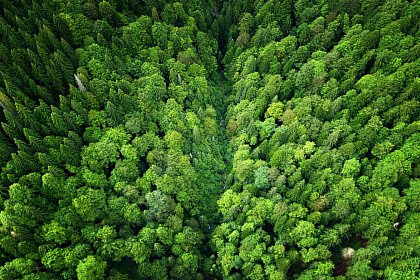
<point>191,139</point>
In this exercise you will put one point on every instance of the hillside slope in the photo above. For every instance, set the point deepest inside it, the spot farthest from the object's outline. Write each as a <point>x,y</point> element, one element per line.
<point>209,139</point>
<point>324,130</point>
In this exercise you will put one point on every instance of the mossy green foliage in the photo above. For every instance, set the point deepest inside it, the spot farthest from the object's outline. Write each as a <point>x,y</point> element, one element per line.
<point>210,140</point>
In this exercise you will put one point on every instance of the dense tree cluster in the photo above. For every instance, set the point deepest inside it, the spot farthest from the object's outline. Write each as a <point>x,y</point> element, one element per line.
<point>324,128</point>
<point>210,139</point>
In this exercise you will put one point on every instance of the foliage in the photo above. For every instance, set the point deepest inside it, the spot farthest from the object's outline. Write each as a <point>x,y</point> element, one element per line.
<point>209,139</point>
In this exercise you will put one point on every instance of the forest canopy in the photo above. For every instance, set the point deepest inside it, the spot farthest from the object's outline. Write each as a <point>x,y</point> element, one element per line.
<point>274,139</point>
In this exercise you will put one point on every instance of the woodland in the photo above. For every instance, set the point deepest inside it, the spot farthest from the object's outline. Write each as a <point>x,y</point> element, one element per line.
<point>161,139</point>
